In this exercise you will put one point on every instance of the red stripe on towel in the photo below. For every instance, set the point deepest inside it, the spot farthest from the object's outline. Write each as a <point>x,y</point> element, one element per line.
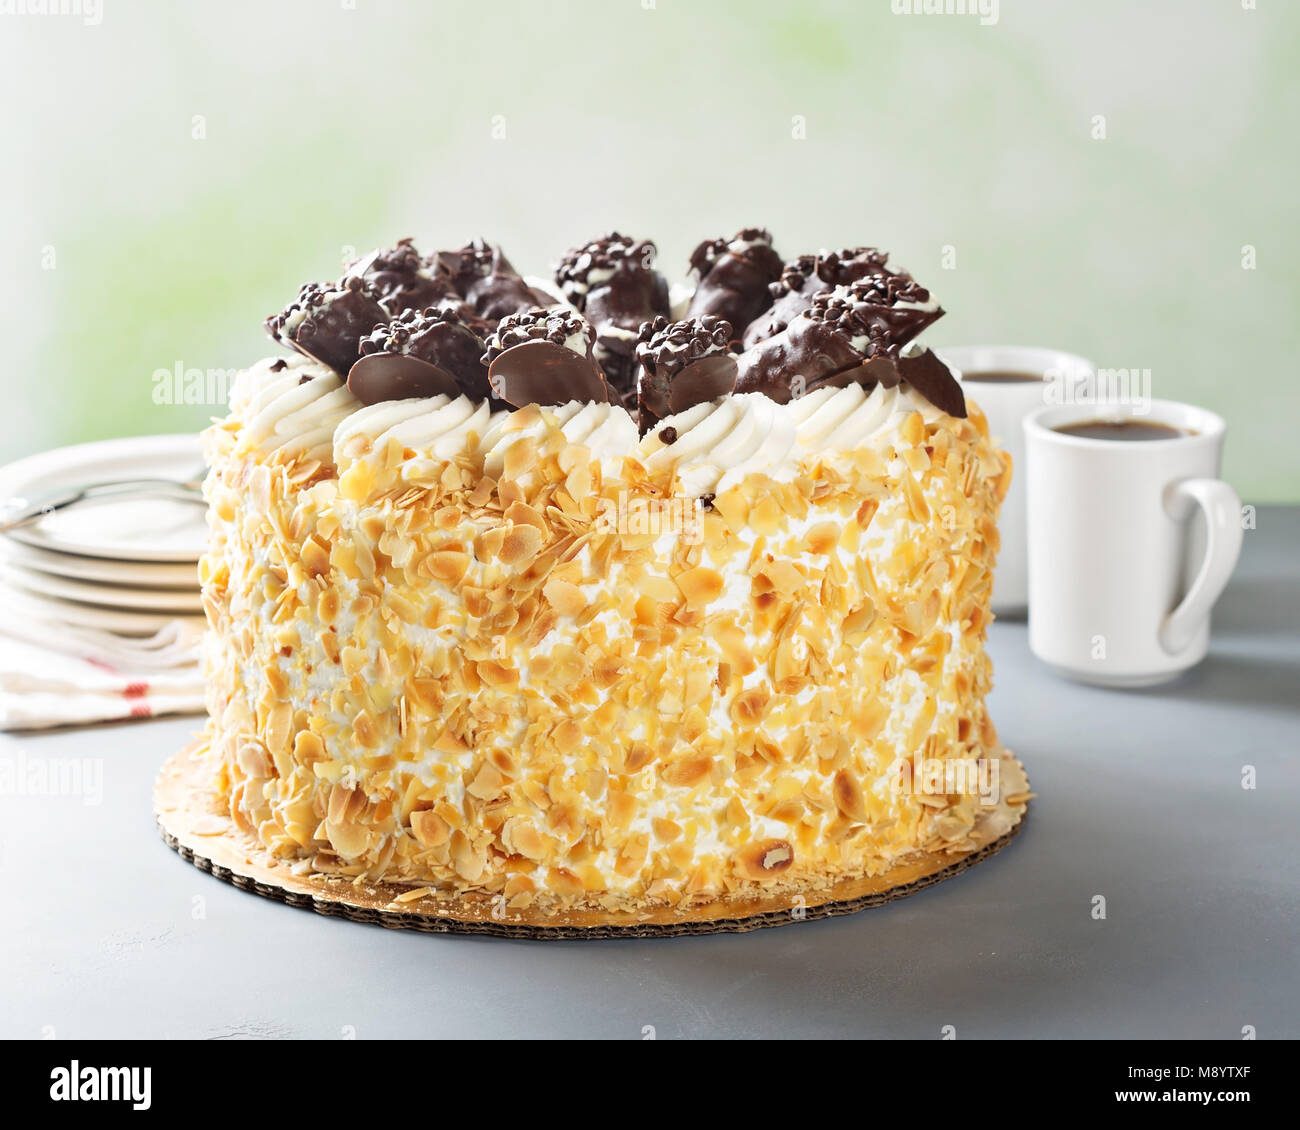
<point>141,710</point>
<point>136,690</point>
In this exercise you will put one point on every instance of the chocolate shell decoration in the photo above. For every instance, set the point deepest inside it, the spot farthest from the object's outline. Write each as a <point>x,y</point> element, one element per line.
<point>806,276</point>
<point>682,364</point>
<point>892,308</point>
<point>399,325</point>
<point>402,279</point>
<point>733,277</point>
<point>613,282</point>
<point>420,355</point>
<point>328,323</point>
<point>483,276</point>
<point>854,334</point>
<point>545,356</point>
<point>808,353</point>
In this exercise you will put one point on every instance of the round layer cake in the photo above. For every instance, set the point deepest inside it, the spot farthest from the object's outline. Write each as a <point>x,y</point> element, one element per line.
<point>538,646</point>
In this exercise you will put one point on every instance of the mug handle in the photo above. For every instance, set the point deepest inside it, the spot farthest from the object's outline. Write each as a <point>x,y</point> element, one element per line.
<point>1221,506</point>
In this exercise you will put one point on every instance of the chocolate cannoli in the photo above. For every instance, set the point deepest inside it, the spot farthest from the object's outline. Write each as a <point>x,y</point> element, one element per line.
<point>733,277</point>
<point>681,364</point>
<point>420,354</point>
<point>327,322</point>
<point>545,356</point>
<point>612,280</point>
<point>802,277</point>
<point>402,278</point>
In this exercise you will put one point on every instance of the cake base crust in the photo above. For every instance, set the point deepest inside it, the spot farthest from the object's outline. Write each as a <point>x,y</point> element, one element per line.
<point>196,825</point>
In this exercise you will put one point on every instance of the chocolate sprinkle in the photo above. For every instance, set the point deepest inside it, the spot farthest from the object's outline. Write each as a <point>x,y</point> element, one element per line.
<point>668,436</point>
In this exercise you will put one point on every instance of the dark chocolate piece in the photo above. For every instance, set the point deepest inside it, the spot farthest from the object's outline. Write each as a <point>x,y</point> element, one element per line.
<point>438,340</point>
<point>402,279</point>
<point>398,376</point>
<point>933,380</point>
<point>483,276</point>
<point>613,282</point>
<point>541,372</point>
<point>919,368</point>
<point>681,364</point>
<point>733,277</point>
<point>470,263</point>
<point>807,275</point>
<point>328,323</point>
<point>701,381</point>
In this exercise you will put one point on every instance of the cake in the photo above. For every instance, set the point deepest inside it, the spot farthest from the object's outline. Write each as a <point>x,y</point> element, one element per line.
<point>572,597</point>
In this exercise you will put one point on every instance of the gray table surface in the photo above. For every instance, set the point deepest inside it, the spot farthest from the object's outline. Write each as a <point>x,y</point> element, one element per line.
<point>107,933</point>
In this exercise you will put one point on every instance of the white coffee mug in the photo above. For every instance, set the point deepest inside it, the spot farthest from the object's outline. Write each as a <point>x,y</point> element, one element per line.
<point>1112,542</point>
<point>1006,404</point>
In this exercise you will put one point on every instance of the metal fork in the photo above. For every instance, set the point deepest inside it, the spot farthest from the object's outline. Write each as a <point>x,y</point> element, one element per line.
<point>18,512</point>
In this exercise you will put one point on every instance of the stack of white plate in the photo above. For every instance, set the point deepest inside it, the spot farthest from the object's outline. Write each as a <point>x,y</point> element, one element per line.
<point>125,566</point>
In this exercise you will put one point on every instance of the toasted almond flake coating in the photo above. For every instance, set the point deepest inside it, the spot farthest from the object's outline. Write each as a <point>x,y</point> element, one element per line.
<point>449,674</point>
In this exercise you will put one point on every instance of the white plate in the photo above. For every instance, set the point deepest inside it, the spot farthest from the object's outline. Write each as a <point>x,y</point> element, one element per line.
<point>148,574</point>
<point>19,602</point>
<point>142,529</point>
<point>102,596</point>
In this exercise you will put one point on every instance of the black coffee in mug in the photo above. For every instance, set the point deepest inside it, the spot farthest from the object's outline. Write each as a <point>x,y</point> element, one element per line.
<point>1000,377</point>
<point>1123,430</point>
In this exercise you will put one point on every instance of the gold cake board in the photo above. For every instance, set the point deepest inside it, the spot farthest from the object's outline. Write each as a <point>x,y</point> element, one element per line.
<point>194,826</point>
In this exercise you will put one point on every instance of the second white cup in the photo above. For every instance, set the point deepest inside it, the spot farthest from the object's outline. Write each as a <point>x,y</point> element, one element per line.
<point>1009,382</point>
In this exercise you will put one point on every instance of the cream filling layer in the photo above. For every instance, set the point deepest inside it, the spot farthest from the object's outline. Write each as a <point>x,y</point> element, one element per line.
<point>716,444</point>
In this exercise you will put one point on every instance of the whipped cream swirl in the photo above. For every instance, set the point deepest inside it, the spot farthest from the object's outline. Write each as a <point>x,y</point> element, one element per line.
<point>292,409</point>
<point>607,430</point>
<point>299,407</point>
<point>719,443</point>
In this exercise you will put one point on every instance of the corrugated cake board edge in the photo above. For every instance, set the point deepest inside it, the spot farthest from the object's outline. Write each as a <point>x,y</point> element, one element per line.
<point>199,831</point>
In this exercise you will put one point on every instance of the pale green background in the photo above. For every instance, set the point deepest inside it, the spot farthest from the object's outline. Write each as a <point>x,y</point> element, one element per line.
<point>331,124</point>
